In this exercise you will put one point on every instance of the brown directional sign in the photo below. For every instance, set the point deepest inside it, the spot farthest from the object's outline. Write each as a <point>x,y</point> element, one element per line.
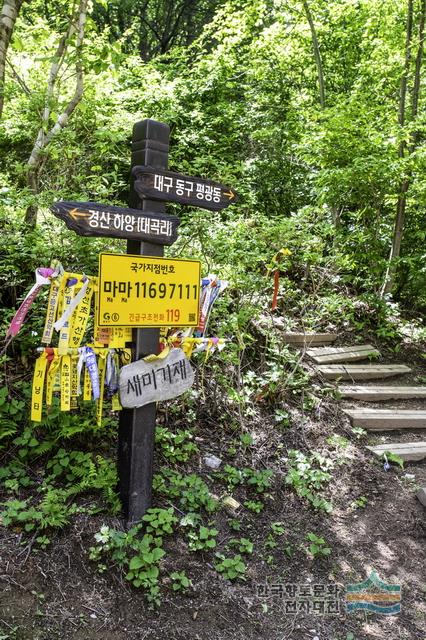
<point>93,219</point>
<point>175,187</point>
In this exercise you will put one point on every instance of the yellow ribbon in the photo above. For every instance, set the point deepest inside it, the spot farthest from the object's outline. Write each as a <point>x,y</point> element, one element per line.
<point>52,307</point>
<point>65,383</point>
<point>80,316</point>
<point>38,387</point>
<point>102,370</point>
<point>51,377</point>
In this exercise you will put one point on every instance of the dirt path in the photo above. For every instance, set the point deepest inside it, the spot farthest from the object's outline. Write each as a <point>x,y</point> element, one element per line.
<point>376,524</point>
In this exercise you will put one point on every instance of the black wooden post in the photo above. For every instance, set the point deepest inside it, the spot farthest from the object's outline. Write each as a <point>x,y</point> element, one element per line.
<point>150,147</point>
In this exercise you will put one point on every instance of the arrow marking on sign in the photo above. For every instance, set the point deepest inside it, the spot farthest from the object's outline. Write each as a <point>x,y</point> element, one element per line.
<point>75,213</point>
<point>230,194</point>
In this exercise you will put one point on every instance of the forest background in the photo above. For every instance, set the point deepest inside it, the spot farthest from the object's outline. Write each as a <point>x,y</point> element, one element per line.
<point>314,112</point>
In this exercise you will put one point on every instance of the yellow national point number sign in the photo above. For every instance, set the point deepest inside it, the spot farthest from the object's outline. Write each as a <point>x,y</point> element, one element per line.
<point>144,291</point>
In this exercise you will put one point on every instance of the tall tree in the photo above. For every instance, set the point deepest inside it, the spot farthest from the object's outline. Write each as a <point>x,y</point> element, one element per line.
<point>9,13</point>
<point>405,149</point>
<point>317,53</point>
<point>49,127</point>
<point>159,24</point>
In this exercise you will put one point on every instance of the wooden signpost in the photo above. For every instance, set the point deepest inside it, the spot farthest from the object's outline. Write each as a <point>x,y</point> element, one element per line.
<point>130,283</point>
<point>175,187</point>
<point>150,145</point>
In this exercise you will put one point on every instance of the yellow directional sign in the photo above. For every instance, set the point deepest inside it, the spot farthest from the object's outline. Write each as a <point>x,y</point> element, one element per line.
<point>144,291</point>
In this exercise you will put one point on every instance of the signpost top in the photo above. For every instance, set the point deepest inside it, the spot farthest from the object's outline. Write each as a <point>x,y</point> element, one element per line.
<point>159,184</point>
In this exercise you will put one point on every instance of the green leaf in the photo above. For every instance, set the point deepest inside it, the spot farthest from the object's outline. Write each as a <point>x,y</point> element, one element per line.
<point>136,563</point>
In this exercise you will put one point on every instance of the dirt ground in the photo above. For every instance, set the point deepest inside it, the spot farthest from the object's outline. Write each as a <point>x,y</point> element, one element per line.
<point>57,594</point>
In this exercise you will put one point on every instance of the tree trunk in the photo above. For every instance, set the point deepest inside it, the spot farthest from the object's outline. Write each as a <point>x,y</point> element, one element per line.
<point>401,207</point>
<point>9,13</point>
<point>317,54</point>
<point>45,134</point>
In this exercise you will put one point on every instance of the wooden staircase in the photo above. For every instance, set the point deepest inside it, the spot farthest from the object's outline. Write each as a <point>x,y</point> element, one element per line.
<point>334,363</point>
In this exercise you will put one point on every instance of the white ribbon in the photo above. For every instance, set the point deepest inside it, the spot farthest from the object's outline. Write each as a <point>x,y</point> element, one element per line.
<point>71,307</point>
<point>81,361</point>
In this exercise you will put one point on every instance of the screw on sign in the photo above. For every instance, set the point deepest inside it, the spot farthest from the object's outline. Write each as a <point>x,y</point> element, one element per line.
<point>175,187</point>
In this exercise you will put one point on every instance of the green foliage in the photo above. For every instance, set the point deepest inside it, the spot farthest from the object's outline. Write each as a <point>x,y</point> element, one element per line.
<point>246,440</point>
<point>202,539</point>
<point>277,528</point>
<point>318,547</point>
<point>244,545</point>
<point>159,521</point>
<point>235,524</point>
<point>359,503</point>
<point>259,481</point>
<point>56,473</point>
<point>320,183</point>
<point>12,413</point>
<point>254,505</point>
<point>175,446</point>
<point>190,491</point>
<point>231,475</point>
<point>231,568</point>
<point>281,418</point>
<point>51,512</point>
<point>308,475</point>
<point>388,456</point>
<point>136,554</point>
<point>281,373</point>
<point>270,542</point>
<point>180,581</point>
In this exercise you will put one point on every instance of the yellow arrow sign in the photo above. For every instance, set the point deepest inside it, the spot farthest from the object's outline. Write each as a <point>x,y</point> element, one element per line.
<point>230,194</point>
<point>75,213</point>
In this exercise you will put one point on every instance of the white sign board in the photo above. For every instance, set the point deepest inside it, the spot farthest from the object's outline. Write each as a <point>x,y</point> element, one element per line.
<point>142,382</point>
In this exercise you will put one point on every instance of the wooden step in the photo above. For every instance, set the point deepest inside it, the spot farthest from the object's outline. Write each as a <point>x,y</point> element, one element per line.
<point>309,338</point>
<point>379,394</point>
<point>361,371</point>
<point>326,355</point>
<point>421,495</point>
<point>409,451</point>
<point>325,351</point>
<point>387,419</point>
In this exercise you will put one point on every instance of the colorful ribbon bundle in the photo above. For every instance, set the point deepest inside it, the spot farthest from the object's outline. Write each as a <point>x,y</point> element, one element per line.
<point>211,288</point>
<point>91,372</point>
<point>193,345</point>
<point>63,373</point>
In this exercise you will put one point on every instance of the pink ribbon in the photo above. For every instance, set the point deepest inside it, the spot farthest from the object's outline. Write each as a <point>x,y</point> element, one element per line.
<point>43,277</point>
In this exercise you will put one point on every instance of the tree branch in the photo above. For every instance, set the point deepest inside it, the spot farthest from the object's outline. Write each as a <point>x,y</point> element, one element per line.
<point>8,16</point>
<point>46,135</point>
<point>401,206</point>
<point>317,54</point>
